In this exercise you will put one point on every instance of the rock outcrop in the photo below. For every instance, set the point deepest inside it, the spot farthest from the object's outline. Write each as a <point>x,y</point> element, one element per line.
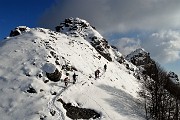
<point>52,72</point>
<point>19,30</point>
<point>75,113</point>
<point>80,28</point>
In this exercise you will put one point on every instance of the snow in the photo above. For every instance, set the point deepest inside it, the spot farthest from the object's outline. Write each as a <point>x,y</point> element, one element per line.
<point>25,57</point>
<point>49,68</point>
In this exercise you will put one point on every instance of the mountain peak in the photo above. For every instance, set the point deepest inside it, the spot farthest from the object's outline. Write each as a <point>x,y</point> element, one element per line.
<point>140,50</point>
<point>76,27</point>
<point>139,57</point>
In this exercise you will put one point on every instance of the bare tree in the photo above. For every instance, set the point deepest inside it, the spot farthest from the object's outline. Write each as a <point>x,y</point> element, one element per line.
<point>159,101</point>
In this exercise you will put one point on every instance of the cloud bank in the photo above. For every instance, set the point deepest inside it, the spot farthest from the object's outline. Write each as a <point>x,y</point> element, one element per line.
<point>124,16</point>
<point>116,15</point>
<point>126,45</point>
<point>163,45</point>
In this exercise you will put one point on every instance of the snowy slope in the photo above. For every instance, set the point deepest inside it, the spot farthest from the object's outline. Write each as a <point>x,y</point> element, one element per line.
<point>22,61</point>
<point>81,28</point>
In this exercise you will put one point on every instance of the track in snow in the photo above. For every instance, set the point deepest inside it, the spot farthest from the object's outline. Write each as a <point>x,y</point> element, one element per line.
<point>51,106</point>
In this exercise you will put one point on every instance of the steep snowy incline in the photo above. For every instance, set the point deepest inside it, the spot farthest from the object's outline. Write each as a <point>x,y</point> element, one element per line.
<point>81,28</point>
<point>27,94</point>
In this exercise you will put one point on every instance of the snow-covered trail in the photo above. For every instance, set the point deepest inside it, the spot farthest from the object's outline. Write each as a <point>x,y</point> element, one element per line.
<point>106,94</point>
<point>52,105</point>
<point>84,85</point>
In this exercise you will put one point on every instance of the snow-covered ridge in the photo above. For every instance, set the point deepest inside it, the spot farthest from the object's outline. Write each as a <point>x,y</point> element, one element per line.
<point>27,93</point>
<point>77,27</point>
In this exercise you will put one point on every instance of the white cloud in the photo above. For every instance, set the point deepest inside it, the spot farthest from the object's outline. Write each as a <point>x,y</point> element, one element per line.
<point>124,16</point>
<point>126,45</point>
<point>164,46</point>
<point>117,15</point>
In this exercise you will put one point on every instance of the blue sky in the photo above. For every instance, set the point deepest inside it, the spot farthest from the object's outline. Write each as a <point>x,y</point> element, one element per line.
<point>21,12</point>
<point>151,24</point>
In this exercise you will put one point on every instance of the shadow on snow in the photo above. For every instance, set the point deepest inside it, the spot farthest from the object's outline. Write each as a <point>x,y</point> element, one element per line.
<point>123,102</point>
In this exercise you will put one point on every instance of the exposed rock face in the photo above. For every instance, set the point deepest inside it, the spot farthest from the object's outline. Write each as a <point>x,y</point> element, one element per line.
<point>142,59</point>
<point>18,31</point>
<point>31,90</point>
<point>173,84</point>
<point>73,26</point>
<point>173,77</point>
<point>101,45</point>
<point>14,33</point>
<point>139,57</point>
<point>81,28</point>
<point>54,76</point>
<point>79,113</point>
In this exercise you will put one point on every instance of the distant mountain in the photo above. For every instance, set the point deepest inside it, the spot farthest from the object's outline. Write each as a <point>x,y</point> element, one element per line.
<point>142,58</point>
<point>139,57</point>
<point>34,62</point>
<point>160,89</point>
